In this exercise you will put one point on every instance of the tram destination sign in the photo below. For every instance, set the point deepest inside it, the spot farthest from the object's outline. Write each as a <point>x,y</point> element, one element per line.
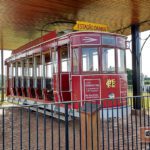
<point>82,26</point>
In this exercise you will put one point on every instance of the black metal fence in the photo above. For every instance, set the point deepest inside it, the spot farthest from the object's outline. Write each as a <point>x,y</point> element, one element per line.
<point>108,125</point>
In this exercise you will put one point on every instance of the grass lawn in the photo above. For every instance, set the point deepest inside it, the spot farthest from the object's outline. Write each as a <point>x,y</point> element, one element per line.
<point>145,99</point>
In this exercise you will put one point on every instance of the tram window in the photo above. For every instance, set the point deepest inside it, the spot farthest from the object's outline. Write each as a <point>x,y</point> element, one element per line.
<point>19,71</point>
<point>89,59</point>
<point>65,66</point>
<point>121,60</point>
<point>39,71</point>
<point>48,70</point>
<point>30,72</point>
<point>75,60</point>
<point>108,59</point>
<point>29,67</point>
<point>48,65</point>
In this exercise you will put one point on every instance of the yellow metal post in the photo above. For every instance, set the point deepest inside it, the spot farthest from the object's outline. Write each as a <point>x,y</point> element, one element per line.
<point>90,129</point>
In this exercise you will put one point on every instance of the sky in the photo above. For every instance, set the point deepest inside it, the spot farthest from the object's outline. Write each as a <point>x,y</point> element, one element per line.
<point>145,55</point>
<point>7,53</point>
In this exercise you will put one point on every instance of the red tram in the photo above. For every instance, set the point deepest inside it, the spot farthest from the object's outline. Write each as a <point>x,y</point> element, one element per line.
<point>77,66</point>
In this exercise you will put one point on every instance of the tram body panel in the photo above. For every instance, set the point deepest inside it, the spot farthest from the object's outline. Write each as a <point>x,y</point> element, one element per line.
<point>112,90</point>
<point>65,87</point>
<point>65,82</point>
<point>76,94</point>
<point>97,87</point>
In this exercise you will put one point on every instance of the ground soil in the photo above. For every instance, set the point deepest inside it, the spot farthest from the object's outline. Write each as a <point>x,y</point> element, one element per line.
<point>20,130</point>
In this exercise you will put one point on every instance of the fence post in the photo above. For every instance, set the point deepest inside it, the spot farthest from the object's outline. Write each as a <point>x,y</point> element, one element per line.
<point>66,127</point>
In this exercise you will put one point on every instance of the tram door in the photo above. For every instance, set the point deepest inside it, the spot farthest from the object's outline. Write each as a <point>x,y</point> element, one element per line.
<point>64,73</point>
<point>61,74</point>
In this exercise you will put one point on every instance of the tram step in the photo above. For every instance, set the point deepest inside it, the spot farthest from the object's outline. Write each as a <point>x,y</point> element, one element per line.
<point>61,117</point>
<point>57,115</point>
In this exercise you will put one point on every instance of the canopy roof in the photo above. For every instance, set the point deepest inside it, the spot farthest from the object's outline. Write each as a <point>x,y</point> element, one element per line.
<point>22,20</point>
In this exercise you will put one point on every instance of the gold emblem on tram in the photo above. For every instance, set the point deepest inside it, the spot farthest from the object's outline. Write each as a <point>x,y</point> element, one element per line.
<point>111,83</point>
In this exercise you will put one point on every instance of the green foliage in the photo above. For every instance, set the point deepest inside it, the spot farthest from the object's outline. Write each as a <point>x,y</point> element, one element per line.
<point>147,78</point>
<point>146,82</point>
<point>129,76</point>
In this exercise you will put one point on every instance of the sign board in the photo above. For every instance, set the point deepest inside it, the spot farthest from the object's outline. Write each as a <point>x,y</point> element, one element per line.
<point>92,89</point>
<point>80,25</point>
<point>145,134</point>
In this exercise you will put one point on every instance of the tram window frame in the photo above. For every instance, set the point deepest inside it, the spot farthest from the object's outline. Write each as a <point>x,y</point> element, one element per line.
<point>98,59</point>
<point>48,70</point>
<point>110,69</point>
<point>30,67</point>
<point>30,74</point>
<point>122,59</point>
<point>64,62</point>
<point>19,72</point>
<point>48,64</point>
<point>38,66</point>
<point>39,70</point>
<point>19,69</point>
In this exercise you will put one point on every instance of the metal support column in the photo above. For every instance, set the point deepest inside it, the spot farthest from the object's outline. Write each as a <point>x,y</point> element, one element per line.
<point>2,68</point>
<point>27,73</point>
<point>43,71</point>
<point>136,66</point>
<point>11,78</point>
<point>16,75</point>
<point>35,71</point>
<point>22,73</point>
